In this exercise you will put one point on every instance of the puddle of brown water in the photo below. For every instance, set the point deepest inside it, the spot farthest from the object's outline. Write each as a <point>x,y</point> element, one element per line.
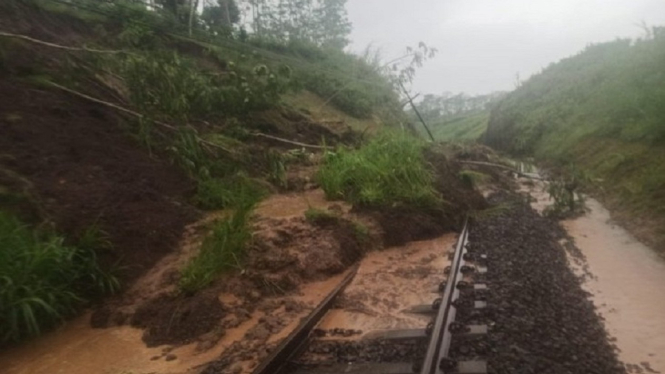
<point>76,348</point>
<point>390,281</point>
<point>629,286</point>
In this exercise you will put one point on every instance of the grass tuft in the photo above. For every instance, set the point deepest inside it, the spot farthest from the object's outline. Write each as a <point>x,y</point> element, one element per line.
<point>222,250</point>
<point>390,169</point>
<point>43,280</point>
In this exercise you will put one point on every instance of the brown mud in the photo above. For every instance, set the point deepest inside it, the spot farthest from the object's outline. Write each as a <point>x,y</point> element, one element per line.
<point>389,282</point>
<point>77,165</point>
<point>76,348</point>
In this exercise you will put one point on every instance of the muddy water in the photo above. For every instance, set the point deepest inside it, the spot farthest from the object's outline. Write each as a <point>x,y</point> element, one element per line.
<point>387,283</point>
<point>628,283</point>
<point>628,288</point>
<point>78,349</point>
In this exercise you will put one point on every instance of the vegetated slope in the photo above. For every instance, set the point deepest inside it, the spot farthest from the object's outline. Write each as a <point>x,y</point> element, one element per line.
<point>601,110</point>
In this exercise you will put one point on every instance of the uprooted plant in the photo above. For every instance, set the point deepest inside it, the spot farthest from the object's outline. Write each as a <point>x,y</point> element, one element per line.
<point>565,191</point>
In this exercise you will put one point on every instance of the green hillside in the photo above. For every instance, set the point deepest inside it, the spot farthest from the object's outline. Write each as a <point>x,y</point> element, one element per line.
<point>604,111</point>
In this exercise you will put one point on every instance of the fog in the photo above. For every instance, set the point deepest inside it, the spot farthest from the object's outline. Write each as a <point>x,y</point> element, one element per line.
<point>484,44</point>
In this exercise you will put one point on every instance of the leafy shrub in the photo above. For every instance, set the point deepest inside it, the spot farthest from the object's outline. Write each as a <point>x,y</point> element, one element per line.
<point>221,250</point>
<point>390,169</point>
<point>350,85</point>
<point>43,280</point>
<point>168,85</point>
<point>564,191</point>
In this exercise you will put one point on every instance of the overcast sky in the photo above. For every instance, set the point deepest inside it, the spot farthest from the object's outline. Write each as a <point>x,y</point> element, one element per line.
<point>483,44</point>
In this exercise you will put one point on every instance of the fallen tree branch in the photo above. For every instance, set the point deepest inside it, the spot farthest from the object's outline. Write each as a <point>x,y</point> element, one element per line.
<point>53,45</point>
<point>487,164</point>
<point>133,113</point>
<point>501,167</point>
<point>258,134</point>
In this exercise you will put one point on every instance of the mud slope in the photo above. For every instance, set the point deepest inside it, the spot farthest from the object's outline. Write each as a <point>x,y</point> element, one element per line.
<point>73,158</point>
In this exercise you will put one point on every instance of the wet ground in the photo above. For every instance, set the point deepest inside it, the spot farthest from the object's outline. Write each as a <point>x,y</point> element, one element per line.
<point>250,323</point>
<point>625,278</point>
<point>389,282</point>
<point>76,348</point>
<point>540,319</point>
<point>628,287</point>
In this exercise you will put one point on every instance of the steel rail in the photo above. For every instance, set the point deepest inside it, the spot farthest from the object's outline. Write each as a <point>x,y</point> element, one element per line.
<point>441,335</point>
<point>279,358</point>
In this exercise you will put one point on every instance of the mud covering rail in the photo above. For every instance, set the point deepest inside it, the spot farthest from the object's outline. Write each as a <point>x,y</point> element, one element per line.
<point>277,360</point>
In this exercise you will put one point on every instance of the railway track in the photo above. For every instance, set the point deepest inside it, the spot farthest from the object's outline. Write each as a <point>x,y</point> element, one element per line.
<point>425,350</point>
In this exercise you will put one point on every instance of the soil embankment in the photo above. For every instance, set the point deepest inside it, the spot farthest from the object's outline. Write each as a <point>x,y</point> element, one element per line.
<point>70,159</point>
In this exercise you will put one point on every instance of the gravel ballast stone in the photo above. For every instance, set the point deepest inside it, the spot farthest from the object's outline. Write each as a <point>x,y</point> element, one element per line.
<point>541,320</point>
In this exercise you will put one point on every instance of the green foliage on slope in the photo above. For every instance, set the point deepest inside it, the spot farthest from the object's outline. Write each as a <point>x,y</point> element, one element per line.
<point>603,110</point>
<point>222,250</point>
<point>390,169</point>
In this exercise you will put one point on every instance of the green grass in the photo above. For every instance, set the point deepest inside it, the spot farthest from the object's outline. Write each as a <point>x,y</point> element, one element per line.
<point>222,250</point>
<point>466,128</point>
<point>390,169</point>
<point>171,86</point>
<point>43,280</point>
